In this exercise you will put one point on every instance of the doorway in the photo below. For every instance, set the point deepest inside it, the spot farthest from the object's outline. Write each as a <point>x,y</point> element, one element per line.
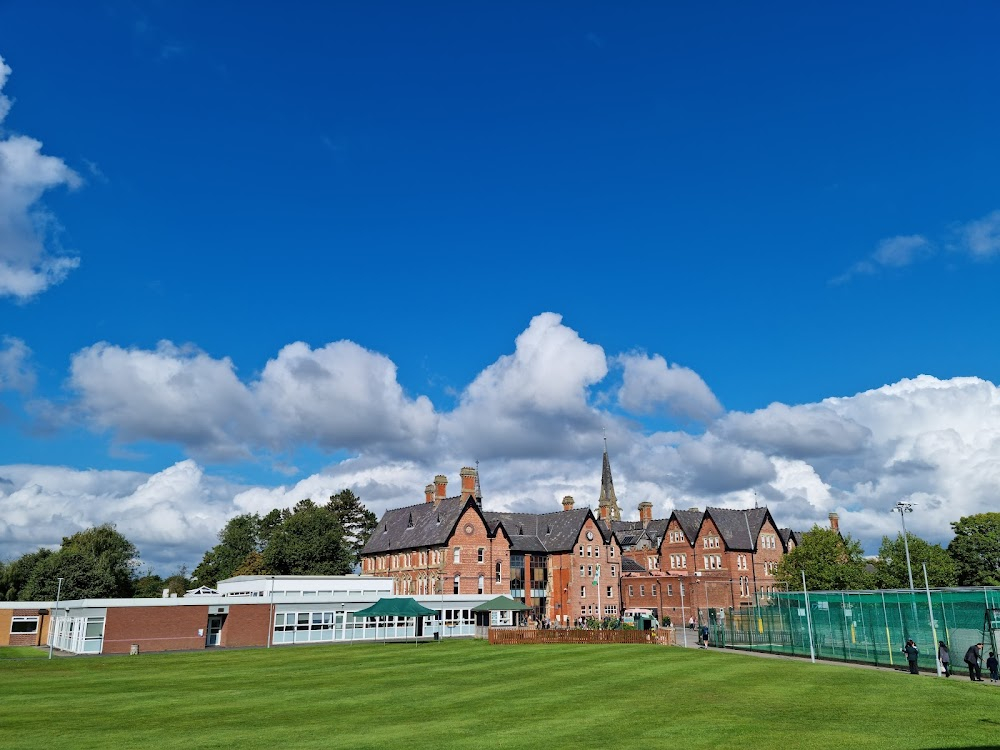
<point>214,637</point>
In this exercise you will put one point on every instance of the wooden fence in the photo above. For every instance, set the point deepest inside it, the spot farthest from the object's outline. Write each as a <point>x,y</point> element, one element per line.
<point>516,636</point>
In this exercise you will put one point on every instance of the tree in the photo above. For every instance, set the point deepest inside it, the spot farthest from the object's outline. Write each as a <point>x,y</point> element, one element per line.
<point>831,563</point>
<point>356,520</point>
<point>95,563</point>
<point>252,565</point>
<point>237,539</point>
<point>309,542</point>
<point>17,573</point>
<point>976,549</point>
<point>891,572</point>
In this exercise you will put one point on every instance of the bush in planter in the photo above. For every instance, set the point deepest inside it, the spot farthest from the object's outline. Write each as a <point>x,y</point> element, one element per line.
<point>666,622</point>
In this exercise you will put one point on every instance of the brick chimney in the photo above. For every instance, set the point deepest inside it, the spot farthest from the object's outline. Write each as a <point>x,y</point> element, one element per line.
<point>835,522</point>
<point>468,475</point>
<point>429,493</point>
<point>604,511</point>
<point>645,513</point>
<point>568,502</point>
<point>440,487</point>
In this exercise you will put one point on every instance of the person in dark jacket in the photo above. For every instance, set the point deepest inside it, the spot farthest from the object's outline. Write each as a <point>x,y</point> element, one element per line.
<point>912,652</point>
<point>944,656</point>
<point>993,665</point>
<point>704,636</point>
<point>972,659</point>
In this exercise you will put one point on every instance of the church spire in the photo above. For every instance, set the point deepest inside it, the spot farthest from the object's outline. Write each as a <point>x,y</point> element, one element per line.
<point>607,504</point>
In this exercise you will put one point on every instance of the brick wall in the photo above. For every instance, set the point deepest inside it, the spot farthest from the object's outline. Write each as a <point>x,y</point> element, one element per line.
<point>579,596</point>
<point>246,625</point>
<point>22,639</point>
<point>155,628</point>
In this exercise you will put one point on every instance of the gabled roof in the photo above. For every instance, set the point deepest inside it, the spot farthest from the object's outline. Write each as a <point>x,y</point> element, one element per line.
<point>787,535</point>
<point>540,532</point>
<point>690,522</point>
<point>631,533</point>
<point>421,525</point>
<point>739,528</point>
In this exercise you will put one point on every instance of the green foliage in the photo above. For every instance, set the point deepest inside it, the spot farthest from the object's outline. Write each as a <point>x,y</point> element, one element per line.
<point>238,538</point>
<point>891,572</point>
<point>94,563</point>
<point>976,549</point>
<point>310,542</point>
<point>306,540</point>
<point>151,585</point>
<point>357,521</point>
<point>252,565</point>
<point>17,573</point>
<point>831,563</point>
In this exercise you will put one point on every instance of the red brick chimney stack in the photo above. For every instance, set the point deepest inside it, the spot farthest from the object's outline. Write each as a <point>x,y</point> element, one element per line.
<point>645,513</point>
<point>835,522</point>
<point>604,511</point>
<point>468,475</point>
<point>568,502</point>
<point>429,493</point>
<point>441,487</point>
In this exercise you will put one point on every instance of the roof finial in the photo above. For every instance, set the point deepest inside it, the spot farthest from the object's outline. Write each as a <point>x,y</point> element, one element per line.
<point>479,491</point>
<point>604,430</point>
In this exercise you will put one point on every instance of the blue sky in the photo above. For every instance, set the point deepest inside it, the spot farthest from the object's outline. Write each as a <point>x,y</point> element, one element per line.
<point>249,254</point>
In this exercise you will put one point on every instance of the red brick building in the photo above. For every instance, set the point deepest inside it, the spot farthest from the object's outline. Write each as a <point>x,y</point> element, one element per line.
<point>563,565</point>
<point>719,558</point>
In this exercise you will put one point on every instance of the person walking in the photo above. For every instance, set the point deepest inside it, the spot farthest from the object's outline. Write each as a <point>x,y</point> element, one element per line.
<point>704,636</point>
<point>993,665</point>
<point>912,652</point>
<point>945,658</point>
<point>972,659</point>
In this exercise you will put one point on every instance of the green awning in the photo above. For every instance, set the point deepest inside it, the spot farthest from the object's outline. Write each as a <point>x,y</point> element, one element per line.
<point>501,603</point>
<point>396,607</point>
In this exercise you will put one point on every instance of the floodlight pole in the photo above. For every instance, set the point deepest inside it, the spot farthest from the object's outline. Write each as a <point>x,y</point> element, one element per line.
<point>52,618</point>
<point>903,507</point>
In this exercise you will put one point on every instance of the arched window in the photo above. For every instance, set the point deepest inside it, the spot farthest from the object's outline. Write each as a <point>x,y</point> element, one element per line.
<point>482,583</point>
<point>499,572</point>
<point>458,583</point>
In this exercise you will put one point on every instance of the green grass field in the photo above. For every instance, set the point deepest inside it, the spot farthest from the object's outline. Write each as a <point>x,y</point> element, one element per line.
<point>469,694</point>
<point>21,652</point>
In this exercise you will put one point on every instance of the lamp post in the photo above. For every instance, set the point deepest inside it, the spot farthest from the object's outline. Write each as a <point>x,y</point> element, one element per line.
<point>52,619</point>
<point>903,507</point>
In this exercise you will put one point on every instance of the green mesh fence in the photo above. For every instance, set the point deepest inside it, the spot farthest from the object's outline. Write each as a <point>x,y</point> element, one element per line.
<point>865,626</point>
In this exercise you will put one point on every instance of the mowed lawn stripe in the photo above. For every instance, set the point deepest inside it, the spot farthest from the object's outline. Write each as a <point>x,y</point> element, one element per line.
<point>457,694</point>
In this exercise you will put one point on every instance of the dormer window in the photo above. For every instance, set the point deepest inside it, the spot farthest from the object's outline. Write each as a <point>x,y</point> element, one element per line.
<point>520,531</point>
<point>385,529</point>
<point>548,530</point>
<point>409,522</point>
<point>439,518</point>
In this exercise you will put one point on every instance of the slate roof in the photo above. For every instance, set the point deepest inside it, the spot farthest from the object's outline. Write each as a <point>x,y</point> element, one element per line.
<point>421,525</point>
<point>540,532</point>
<point>431,525</point>
<point>630,533</point>
<point>631,566</point>
<point>787,534</point>
<point>690,522</point>
<point>739,528</point>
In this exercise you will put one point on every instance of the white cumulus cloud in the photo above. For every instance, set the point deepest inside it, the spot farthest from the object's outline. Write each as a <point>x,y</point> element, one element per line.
<point>650,385</point>
<point>28,262</point>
